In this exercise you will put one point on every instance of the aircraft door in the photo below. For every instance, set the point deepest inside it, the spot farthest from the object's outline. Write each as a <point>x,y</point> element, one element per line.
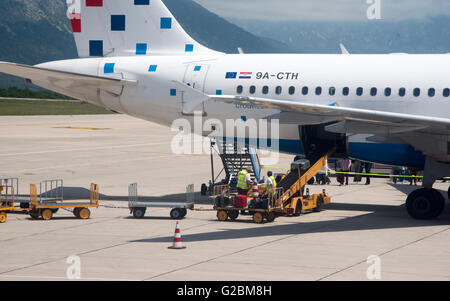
<point>195,77</point>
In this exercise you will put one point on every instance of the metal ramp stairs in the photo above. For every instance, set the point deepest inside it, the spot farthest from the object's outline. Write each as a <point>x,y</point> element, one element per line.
<point>236,157</point>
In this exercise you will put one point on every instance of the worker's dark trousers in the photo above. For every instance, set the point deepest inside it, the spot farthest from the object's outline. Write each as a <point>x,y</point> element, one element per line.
<point>242,191</point>
<point>368,168</point>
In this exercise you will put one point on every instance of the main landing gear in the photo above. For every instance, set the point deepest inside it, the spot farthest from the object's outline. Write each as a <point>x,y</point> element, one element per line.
<point>428,203</point>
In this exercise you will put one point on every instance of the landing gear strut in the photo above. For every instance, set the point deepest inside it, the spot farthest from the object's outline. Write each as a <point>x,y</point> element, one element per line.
<point>428,203</point>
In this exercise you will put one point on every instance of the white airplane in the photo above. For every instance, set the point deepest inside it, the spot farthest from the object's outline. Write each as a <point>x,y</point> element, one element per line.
<point>136,59</point>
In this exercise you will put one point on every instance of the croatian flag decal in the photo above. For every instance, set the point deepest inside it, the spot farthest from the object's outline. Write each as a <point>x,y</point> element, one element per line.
<point>245,75</point>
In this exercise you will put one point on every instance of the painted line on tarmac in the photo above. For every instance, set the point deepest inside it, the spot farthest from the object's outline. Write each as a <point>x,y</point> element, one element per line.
<point>385,253</point>
<point>64,278</point>
<point>83,149</point>
<point>2,274</point>
<point>89,164</point>
<point>331,223</point>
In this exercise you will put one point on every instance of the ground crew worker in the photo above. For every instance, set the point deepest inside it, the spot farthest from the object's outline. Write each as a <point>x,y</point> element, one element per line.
<point>271,186</point>
<point>244,182</point>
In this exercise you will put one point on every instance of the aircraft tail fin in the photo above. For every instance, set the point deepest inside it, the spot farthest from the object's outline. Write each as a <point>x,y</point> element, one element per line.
<point>128,28</point>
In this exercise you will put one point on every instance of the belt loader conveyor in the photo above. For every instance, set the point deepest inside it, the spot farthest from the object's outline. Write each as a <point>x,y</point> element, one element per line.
<point>288,199</point>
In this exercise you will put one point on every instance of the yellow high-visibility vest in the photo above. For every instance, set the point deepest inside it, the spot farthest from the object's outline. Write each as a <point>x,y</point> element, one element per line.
<point>271,189</point>
<point>242,180</point>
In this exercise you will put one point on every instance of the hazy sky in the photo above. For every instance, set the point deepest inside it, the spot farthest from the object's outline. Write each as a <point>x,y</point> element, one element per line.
<point>321,10</point>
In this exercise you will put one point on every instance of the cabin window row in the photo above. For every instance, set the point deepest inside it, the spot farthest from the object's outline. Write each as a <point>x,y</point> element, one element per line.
<point>345,91</point>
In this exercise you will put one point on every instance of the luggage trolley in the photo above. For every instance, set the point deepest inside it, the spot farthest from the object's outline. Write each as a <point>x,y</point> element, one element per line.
<point>7,201</point>
<point>49,201</point>
<point>228,206</point>
<point>179,209</point>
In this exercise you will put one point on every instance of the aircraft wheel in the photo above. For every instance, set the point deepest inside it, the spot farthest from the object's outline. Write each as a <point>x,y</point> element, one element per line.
<point>3,217</point>
<point>76,212</point>
<point>258,217</point>
<point>222,215</point>
<point>233,214</point>
<point>425,203</point>
<point>47,214</point>
<point>138,212</point>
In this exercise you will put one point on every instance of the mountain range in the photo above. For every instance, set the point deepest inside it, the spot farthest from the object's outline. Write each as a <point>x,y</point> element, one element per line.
<point>36,31</point>
<point>431,35</point>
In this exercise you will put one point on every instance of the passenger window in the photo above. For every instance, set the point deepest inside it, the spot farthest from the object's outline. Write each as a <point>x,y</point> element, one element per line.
<point>346,91</point>
<point>402,92</point>
<point>417,92</point>
<point>265,90</point>
<point>305,90</point>
<point>431,92</point>
<point>387,92</point>
<point>239,89</point>
<point>291,90</point>
<point>373,91</point>
<point>318,90</point>
<point>278,90</point>
<point>446,92</point>
<point>359,91</point>
<point>332,91</point>
<point>252,89</point>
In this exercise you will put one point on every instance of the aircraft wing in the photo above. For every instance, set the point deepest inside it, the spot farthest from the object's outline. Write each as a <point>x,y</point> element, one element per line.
<point>346,120</point>
<point>80,86</point>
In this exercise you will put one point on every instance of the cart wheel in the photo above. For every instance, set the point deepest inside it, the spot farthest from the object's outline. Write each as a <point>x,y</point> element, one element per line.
<point>47,214</point>
<point>176,213</point>
<point>84,213</point>
<point>3,217</point>
<point>233,214</point>
<point>184,212</point>
<point>34,214</point>
<point>222,215</point>
<point>76,212</point>
<point>258,217</point>
<point>138,212</point>
<point>270,216</point>
<point>319,204</point>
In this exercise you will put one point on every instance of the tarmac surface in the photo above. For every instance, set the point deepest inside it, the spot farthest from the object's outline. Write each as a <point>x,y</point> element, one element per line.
<point>115,150</point>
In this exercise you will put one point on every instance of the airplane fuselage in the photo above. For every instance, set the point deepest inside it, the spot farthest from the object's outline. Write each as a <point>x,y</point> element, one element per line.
<point>397,83</point>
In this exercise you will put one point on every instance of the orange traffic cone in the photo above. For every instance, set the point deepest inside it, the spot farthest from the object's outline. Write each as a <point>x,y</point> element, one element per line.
<point>177,245</point>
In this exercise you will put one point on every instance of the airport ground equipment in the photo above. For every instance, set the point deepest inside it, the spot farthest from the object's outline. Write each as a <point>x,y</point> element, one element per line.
<point>289,198</point>
<point>224,204</point>
<point>49,190</point>
<point>138,208</point>
<point>48,202</point>
<point>235,157</point>
<point>7,201</point>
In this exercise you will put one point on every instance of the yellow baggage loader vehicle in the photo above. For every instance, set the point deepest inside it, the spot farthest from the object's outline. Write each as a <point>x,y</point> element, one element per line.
<point>290,197</point>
